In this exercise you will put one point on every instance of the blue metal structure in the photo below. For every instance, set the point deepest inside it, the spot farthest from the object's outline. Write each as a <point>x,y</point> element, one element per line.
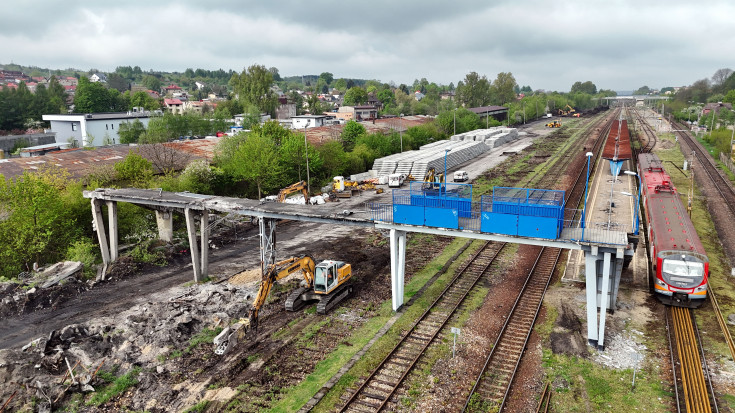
<point>615,167</point>
<point>431,204</point>
<point>536,213</point>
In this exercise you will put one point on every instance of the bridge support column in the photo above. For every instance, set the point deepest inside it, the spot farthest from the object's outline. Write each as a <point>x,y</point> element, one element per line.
<point>112,221</point>
<point>199,262</point>
<point>98,224</point>
<point>267,243</point>
<point>590,272</point>
<point>602,279</point>
<point>397,266</point>
<point>165,222</point>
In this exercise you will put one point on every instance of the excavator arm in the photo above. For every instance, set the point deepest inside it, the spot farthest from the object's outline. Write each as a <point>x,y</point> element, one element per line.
<point>276,272</point>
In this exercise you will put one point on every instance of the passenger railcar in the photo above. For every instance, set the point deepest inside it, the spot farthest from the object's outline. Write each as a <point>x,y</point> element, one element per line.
<point>678,258</point>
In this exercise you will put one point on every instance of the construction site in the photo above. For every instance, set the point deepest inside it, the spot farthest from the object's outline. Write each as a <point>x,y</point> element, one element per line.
<point>319,302</point>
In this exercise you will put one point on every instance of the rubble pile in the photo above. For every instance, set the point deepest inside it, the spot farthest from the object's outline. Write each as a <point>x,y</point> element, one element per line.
<point>149,336</point>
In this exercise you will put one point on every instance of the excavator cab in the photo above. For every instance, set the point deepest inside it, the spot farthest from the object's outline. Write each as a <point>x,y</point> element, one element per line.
<point>328,275</point>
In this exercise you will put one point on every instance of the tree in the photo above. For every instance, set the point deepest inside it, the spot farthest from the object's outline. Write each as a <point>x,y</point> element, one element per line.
<point>586,87</point>
<point>720,76</point>
<point>333,157</point>
<point>142,99</point>
<point>152,83</point>
<point>38,224</point>
<point>474,91</point>
<point>386,97</point>
<point>92,97</point>
<point>275,74</point>
<point>326,77</point>
<point>341,85</point>
<point>134,169</point>
<point>254,87</point>
<point>465,121</point>
<point>292,152</point>
<point>355,96</point>
<point>643,90</point>
<point>130,132</point>
<point>504,87</point>
<point>350,133</point>
<point>116,81</point>
<point>314,105</point>
<point>254,159</point>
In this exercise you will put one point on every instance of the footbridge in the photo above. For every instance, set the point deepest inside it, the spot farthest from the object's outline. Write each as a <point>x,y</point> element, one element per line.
<point>516,215</point>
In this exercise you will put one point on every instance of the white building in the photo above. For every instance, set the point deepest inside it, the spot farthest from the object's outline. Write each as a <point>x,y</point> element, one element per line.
<point>92,129</point>
<point>307,121</point>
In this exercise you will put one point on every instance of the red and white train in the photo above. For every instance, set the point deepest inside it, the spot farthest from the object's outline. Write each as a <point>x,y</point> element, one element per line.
<point>680,263</point>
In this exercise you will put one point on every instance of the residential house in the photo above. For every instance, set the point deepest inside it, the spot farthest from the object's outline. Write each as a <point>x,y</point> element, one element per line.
<point>171,89</point>
<point>98,77</point>
<point>717,107</point>
<point>358,113</point>
<point>199,85</point>
<point>374,102</point>
<point>447,95</point>
<point>308,121</point>
<point>68,81</point>
<point>418,95</point>
<point>175,106</point>
<point>199,106</point>
<point>285,109</point>
<point>92,129</point>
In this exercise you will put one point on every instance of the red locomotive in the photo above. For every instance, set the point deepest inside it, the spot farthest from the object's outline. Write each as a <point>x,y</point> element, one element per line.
<point>679,260</point>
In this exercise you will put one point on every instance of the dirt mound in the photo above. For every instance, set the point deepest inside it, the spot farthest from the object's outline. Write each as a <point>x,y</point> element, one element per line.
<point>566,338</point>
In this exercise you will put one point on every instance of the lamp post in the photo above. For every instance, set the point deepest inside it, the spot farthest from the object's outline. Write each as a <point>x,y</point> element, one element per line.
<point>446,151</point>
<point>400,130</point>
<point>637,200</point>
<point>306,150</point>
<point>455,121</point>
<point>586,184</point>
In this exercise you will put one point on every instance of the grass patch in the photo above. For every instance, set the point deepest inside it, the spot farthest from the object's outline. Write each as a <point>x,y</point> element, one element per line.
<point>581,386</point>
<point>293,398</point>
<point>199,407</point>
<point>203,337</point>
<point>116,386</point>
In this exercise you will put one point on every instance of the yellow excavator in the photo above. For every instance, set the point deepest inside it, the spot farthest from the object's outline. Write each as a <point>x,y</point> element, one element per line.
<point>326,282</point>
<point>432,179</point>
<point>293,188</point>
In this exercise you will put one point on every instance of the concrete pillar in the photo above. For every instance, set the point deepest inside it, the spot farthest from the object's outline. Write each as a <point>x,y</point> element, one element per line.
<point>603,300</point>
<point>590,277</point>
<point>165,222</point>
<point>397,266</point>
<point>192,232</point>
<point>112,221</point>
<point>98,222</point>
<point>204,236</point>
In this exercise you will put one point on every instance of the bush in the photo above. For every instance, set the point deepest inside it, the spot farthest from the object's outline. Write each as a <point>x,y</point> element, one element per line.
<point>84,250</point>
<point>144,253</point>
<point>198,177</point>
<point>134,169</point>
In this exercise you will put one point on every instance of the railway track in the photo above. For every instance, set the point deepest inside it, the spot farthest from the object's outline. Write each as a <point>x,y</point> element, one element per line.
<point>698,396</point>
<point>379,390</point>
<point>647,130</point>
<point>493,383</point>
<point>723,186</point>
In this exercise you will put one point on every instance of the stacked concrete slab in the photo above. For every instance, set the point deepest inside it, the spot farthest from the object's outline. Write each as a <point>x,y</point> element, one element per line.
<point>492,137</point>
<point>464,147</point>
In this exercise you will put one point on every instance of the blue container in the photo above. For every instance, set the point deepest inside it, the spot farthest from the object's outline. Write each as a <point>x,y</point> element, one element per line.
<point>408,214</point>
<point>538,227</point>
<point>441,218</point>
<point>495,223</point>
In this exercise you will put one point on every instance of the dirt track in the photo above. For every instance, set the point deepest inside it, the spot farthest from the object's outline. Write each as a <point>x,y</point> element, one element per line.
<point>152,284</point>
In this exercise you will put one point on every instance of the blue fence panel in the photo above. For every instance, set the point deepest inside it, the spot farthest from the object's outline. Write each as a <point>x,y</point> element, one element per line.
<point>496,223</point>
<point>408,214</point>
<point>441,218</point>
<point>538,227</point>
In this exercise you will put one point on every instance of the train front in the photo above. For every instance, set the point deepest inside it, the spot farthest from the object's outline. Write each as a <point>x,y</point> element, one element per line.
<point>681,278</point>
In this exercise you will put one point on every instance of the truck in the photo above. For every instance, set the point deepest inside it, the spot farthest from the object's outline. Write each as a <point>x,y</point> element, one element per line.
<point>461,176</point>
<point>396,180</point>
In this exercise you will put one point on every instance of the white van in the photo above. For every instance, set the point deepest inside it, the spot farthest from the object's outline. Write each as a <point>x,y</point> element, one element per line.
<point>396,180</point>
<point>461,176</point>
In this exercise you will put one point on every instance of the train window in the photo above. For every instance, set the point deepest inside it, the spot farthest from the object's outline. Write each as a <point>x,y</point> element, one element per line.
<point>683,268</point>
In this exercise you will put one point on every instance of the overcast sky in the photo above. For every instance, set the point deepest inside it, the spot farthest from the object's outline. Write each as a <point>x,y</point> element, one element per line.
<point>619,45</point>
